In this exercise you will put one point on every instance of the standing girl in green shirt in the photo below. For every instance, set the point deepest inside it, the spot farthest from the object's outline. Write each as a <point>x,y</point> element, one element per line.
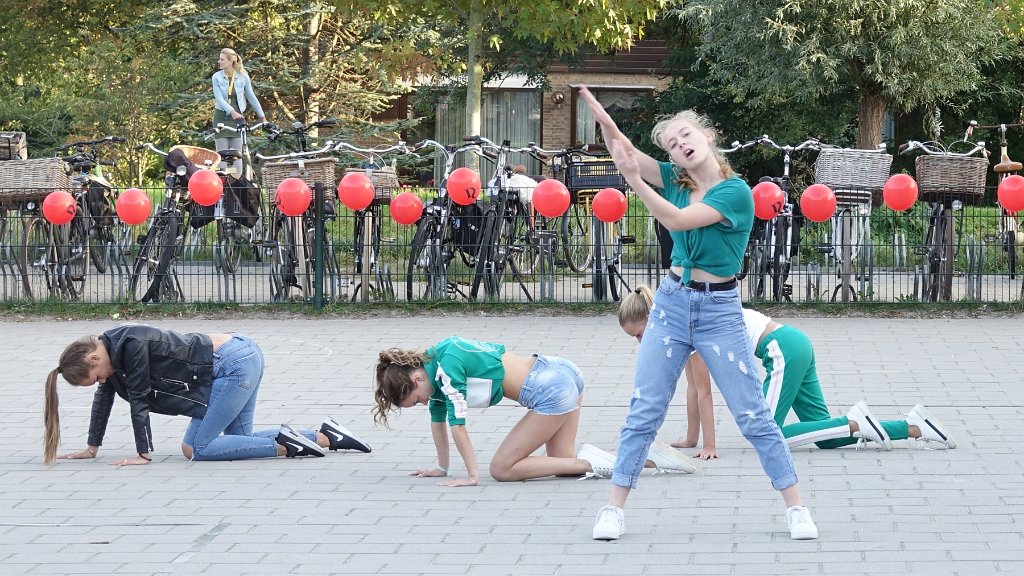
<point>709,213</point>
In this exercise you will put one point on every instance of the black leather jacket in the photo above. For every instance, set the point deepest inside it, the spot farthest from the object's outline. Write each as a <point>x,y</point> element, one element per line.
<point>155,371</point>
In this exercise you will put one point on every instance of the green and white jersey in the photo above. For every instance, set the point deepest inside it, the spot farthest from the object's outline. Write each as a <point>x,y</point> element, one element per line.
<point>465,374</point>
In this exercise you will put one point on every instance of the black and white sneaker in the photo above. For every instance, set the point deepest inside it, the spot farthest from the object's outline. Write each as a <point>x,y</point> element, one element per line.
<point>340,437</point>
<point>296,444</point>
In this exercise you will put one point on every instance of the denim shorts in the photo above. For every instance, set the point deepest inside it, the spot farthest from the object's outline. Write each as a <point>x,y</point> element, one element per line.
<point>553,387</point>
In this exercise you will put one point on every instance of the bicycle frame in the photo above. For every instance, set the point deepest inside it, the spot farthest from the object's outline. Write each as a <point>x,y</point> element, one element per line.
<point>434,244</point>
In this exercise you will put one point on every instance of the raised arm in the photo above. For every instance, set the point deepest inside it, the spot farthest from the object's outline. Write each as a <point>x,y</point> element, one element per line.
<point>640,165</point>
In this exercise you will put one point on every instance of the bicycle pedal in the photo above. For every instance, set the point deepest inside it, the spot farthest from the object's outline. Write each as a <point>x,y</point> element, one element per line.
<point>920,250</point>
<point>628,239</point>
<point>824,248</point>
<point>77,278</point>
<point>787,289</point>
<point>587,285</point>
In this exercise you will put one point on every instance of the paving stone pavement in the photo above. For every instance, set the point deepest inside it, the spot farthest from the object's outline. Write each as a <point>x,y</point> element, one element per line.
<point>901,512</point>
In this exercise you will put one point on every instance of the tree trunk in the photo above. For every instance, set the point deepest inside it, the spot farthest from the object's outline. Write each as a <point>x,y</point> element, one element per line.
<point>310,62</point>
<point>871,115</point>
<point>474,75</point>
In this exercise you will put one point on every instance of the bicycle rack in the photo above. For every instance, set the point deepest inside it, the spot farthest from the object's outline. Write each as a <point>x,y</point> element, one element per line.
<point>899,250</point>
<point>118,266</point>
<point>547,243</point>
<point>227,282</point>
<point>813,286</point>
<point>866,260</point>
<point>975,261</point>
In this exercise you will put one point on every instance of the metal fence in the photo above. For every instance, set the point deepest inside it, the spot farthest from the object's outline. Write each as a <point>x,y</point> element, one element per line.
<point>883,256</point>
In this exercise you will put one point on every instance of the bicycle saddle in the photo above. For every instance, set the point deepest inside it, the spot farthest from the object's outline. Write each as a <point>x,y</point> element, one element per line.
<point>229,154</point>
<point>1008,166</point>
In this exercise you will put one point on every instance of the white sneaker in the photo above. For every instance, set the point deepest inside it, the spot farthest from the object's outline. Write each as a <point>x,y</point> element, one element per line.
<point>932,430</point>
<point>610,524</point>
<point>602,463</point>
<point>799,522</point>
<point>870,427</point>
<point>668,459</point>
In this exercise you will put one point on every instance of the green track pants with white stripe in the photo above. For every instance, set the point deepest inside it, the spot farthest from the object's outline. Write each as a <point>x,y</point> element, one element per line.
<point>791,381</point>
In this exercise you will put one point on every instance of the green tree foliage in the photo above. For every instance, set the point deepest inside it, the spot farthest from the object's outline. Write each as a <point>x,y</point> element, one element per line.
<point>897,54</point>
<point>457,39</point>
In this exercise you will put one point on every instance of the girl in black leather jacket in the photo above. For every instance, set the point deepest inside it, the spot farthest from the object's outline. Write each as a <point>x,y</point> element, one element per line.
<point>213,378</point>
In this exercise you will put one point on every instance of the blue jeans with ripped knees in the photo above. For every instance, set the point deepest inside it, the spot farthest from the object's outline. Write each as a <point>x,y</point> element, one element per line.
<point>225,433</point>
<point>681,320</point>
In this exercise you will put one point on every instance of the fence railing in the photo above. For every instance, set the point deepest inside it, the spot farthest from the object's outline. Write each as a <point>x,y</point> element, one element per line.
<point>885,257</point>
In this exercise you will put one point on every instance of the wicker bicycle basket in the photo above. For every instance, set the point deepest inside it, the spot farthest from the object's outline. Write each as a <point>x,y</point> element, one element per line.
<point>311,171</point>
<point>855,176</point>
<point>385,180</point>
<point>942,176</point>
<point>201,157</point>
<point>25,180</point>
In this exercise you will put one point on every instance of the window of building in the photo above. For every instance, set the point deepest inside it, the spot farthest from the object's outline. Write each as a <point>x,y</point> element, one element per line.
<point>613,100</point>
<point>512,115</point>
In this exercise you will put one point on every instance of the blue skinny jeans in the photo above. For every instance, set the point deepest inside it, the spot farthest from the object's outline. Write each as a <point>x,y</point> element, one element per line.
<point>682,320</point>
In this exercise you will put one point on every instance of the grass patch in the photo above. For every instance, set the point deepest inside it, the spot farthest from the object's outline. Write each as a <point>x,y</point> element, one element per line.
<point>140,312</point>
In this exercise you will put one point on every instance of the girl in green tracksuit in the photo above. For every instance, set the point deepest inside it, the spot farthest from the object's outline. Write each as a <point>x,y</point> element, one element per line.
<point>791,382</point>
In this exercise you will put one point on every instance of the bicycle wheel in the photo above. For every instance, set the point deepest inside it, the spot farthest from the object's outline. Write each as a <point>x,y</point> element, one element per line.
<point>75,254</point>
<point>227,252</point>
<point>948,260</point>
<point>600,267</point>
<point>613,257</point>
<point>484,267</point>
<point>780,259</point>
<point>151,278</point>
<point>576,237</point>
<point>101,224</point>
<point>524,251</point>
<point>1010,245</point>
<point>283,260</point>
<point>426,275</point>
<point>38,260</point>
<point>758,272</point>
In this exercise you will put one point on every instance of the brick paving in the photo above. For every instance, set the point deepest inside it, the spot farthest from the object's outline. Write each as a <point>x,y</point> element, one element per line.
<point>901,512</point>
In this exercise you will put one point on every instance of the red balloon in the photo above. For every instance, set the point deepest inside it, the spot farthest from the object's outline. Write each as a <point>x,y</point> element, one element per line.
<point>1011,193</point>
<point>133,206</point>
<point>406,208</point>
<point>59,207</point>
<point>355,191</point>
<point>768,200</point>
<point>464,186</point>
<point>818,203</point>
<point>293,197</point>
<point>551,198</point>
<point>609,205</point>
<point>205,187</point>
<point>900,192</point>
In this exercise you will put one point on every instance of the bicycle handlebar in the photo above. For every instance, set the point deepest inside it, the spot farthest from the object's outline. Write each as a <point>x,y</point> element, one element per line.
<point>327,149</point>
<point>542,154</point>
<point>149,146</point>
<point>486,143</point>
<point>937,149</point>
<point>83,143</point>
<point>736,146</point>
<point>809,144</point>
<point>238,129</point>
<point>380,150</point>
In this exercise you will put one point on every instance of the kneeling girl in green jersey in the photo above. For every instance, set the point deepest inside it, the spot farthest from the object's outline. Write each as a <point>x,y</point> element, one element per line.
<point>790,383</point>
<point>458,374</point>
